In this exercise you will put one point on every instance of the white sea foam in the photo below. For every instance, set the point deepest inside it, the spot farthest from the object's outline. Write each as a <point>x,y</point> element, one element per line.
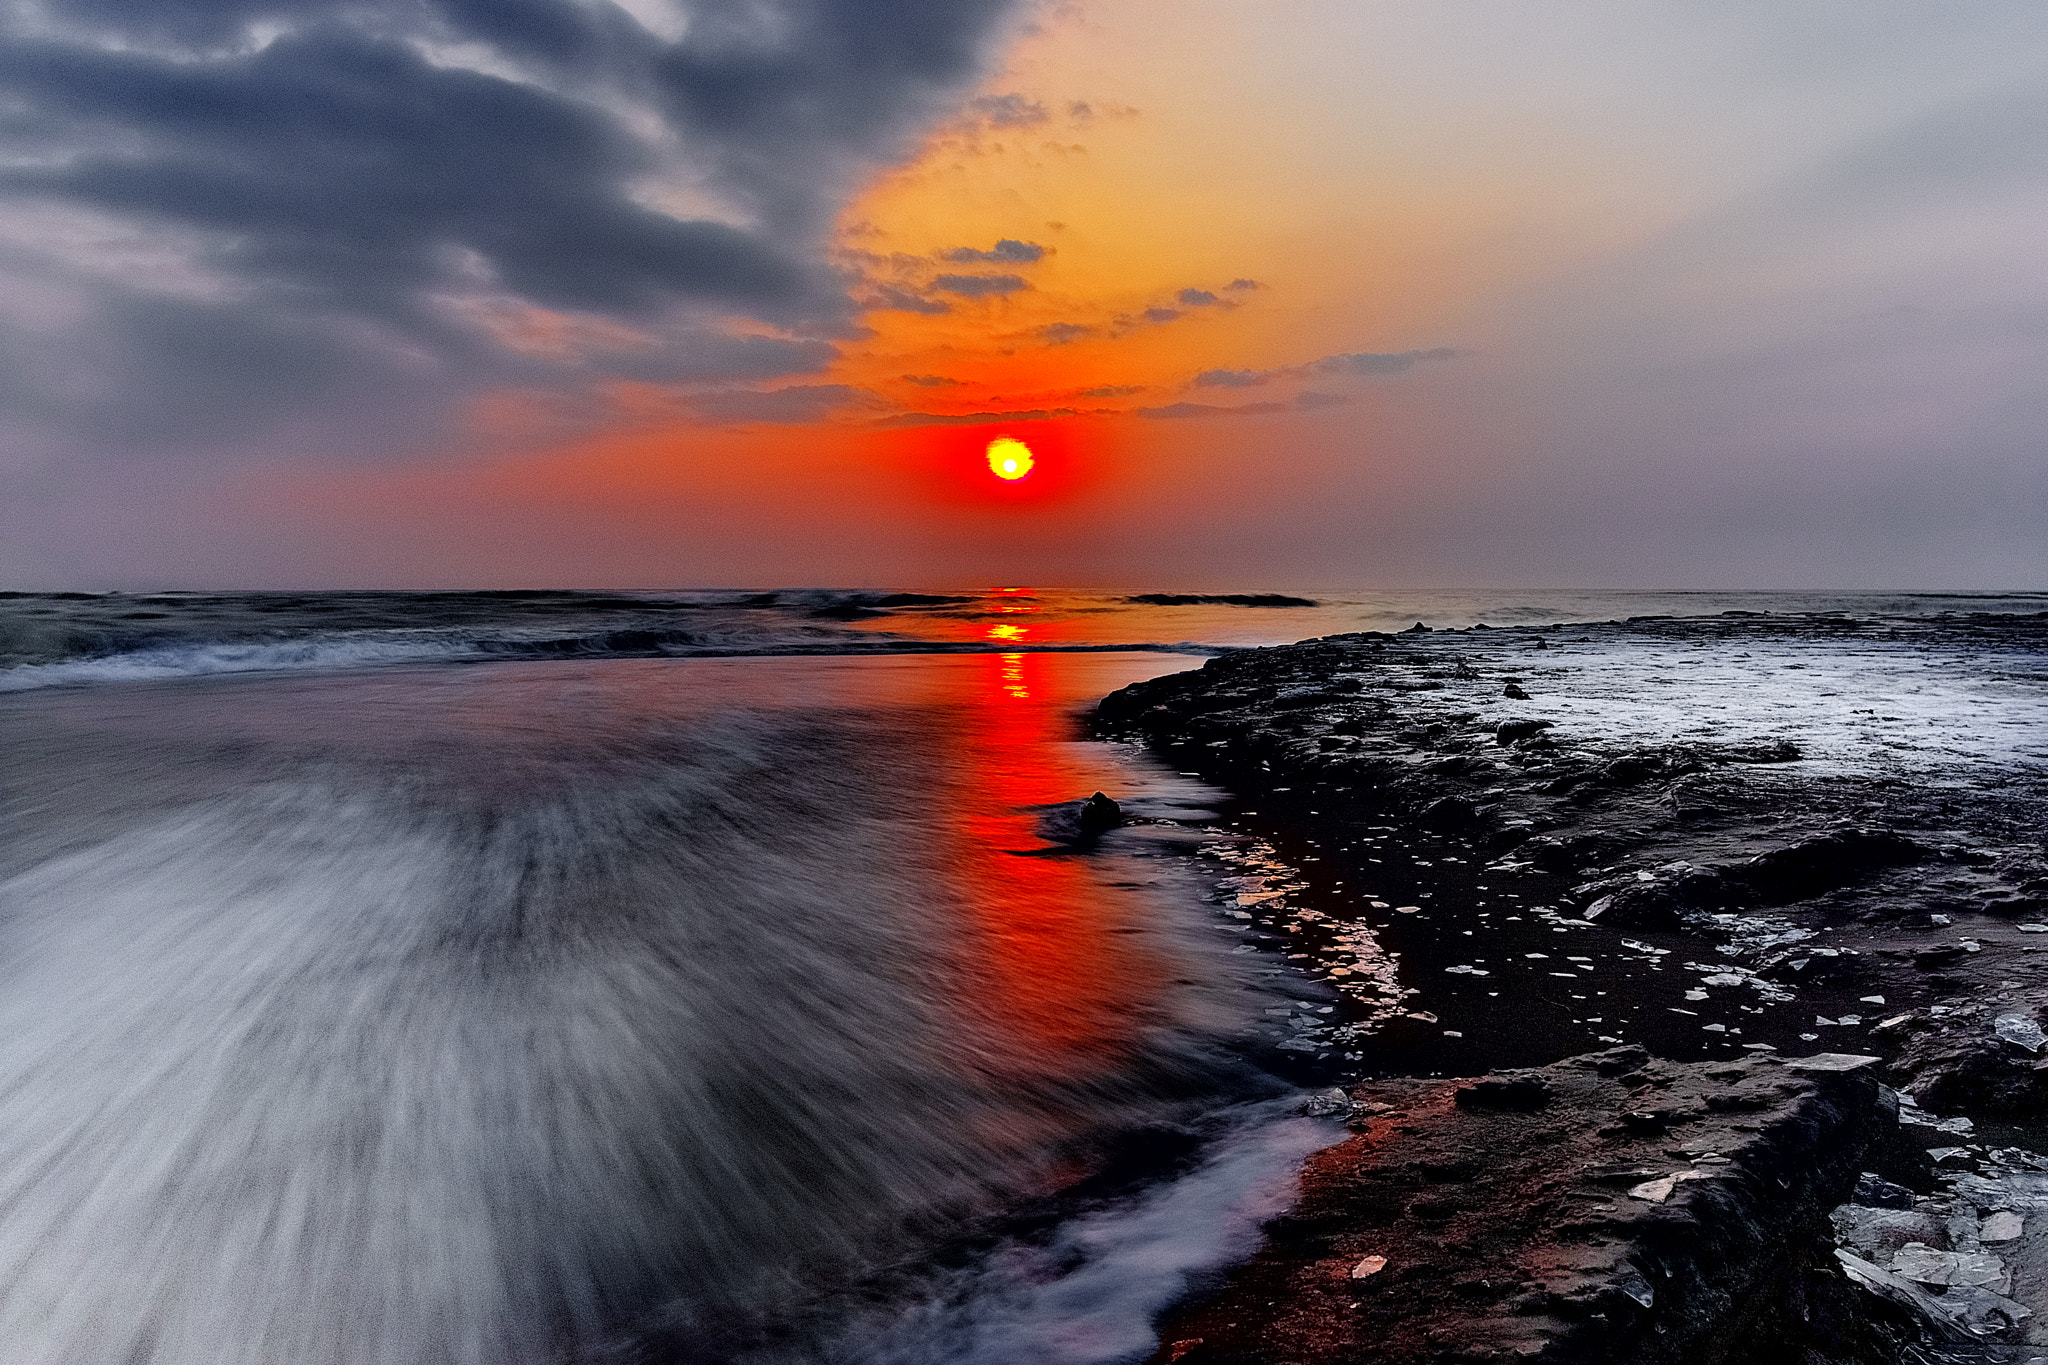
<point>203,660</point>
<point>1093,1294</point>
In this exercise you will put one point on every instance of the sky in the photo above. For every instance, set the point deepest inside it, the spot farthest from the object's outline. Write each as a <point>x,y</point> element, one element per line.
<point>1310,294</point>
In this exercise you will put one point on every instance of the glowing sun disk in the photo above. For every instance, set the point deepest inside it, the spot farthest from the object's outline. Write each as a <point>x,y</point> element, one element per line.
<point>1009,458</point>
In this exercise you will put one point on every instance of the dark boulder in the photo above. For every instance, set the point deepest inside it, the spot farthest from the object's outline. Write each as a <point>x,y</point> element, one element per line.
<point>1965,1066</point>
<point>1827,861</point>
<point>1099,813</point>
<point>1515,731</point>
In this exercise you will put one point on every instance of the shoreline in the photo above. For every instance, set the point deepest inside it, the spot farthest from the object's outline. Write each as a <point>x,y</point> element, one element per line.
<point>1832,826</point>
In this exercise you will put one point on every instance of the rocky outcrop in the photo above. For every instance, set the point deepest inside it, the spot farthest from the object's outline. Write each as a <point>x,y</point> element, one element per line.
<point>1609,1208</point>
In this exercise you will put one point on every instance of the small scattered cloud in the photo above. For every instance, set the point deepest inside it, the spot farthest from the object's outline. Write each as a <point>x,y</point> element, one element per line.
<point>979,286</point>
<point>1161,314</point>
<point>1007,251</point>
<point>1380,362</point>
<point>893,298</point>
<point>1060,333</point>
<point>969,419</point>
<point>1080,111</point>
<point>1196,298</point>
<point>796,404</point>
<point>1112,391</point>
<point>930,381</point>
<point>1231,379</point>
<point>1307,402</point>
<point>1178,410</point>
<point>1243,284</point>
<point>1375,364</point>
<point>1010,111</point>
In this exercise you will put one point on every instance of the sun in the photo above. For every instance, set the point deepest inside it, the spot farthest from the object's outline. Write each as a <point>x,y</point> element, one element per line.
<point>1009,458</point>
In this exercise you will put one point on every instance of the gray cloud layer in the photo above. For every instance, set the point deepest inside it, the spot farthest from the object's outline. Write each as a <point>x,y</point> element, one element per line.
<point>253,221</point>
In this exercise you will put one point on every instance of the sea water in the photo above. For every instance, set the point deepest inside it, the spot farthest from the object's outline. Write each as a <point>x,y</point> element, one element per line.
<point>545,977</point>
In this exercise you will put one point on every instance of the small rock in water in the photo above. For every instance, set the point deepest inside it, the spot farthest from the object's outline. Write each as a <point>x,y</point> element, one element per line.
<point>1098,812</point>
<point>2020,1031</point>
<point>1514,693</point>
<point>1369,1267</point>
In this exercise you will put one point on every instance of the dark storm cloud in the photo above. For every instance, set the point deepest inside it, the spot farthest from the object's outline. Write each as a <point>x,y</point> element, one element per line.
<point>354,213</point>
<point>979,286</point>
<point>1007,251</point>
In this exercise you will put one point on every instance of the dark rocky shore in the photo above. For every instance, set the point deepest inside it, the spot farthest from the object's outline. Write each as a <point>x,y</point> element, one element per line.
<point>1647,867</point>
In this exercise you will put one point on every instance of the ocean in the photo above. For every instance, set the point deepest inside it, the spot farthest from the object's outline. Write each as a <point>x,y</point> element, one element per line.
<point>465,977</point>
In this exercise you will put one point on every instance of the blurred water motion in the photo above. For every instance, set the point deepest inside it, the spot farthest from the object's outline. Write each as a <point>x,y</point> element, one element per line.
<point>535,1012</point>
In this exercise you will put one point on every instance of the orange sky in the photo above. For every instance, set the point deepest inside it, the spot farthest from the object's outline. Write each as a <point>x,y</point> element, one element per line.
<point>1114,139</point>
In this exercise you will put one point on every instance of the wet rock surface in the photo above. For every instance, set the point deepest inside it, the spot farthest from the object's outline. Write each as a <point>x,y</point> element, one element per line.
<point>1447,1230</point>
<point>1716,839</point>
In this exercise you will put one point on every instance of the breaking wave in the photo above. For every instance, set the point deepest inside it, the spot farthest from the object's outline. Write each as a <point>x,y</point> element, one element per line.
<point>536,1014</point>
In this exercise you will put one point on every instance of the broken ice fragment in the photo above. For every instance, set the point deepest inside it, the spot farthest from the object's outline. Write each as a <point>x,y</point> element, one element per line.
<point>2003,1226</point>
<point>1328,1104</point>
<point>2020,1031</point>
<point>1921,1263</point>
<point>1657,1191</point>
